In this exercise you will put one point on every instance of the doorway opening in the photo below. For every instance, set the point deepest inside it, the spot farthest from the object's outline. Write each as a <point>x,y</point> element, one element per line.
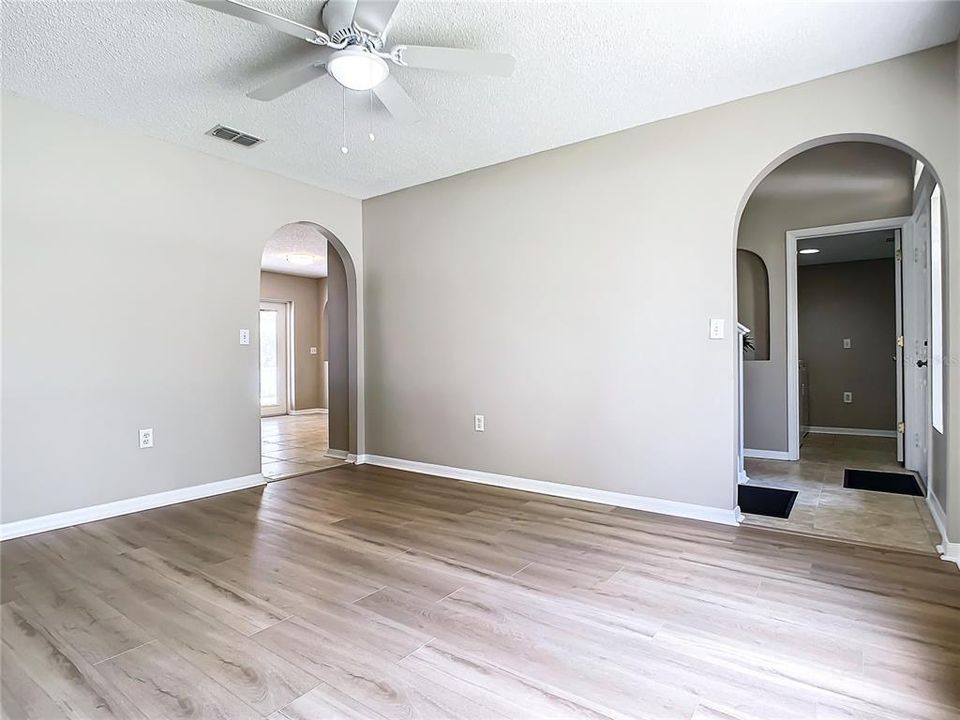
<point>842,380</point>
<point>304,354</point>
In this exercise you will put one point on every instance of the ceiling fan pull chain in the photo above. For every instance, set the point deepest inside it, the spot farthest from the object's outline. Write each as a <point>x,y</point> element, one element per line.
<point>370,115</point>
<point>343,120</point>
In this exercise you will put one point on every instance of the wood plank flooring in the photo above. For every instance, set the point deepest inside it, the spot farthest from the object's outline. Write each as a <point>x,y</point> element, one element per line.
<point>369,593</point>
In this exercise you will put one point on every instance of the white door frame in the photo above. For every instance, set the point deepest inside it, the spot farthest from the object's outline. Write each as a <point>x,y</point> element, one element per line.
<point>793,334</point>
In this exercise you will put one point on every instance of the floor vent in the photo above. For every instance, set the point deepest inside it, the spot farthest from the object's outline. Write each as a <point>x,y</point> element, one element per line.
<point>234,136</point>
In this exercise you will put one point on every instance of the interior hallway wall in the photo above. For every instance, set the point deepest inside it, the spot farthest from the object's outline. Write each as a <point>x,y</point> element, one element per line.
<point>308,296</point>
<point>829,185</point>
<point>337,339</point>
<point>469,308</point>
<point>855,300</point>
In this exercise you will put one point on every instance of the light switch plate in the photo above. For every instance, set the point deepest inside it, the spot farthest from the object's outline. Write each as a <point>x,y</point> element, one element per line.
<point>478,423</point>
<point>244,336</point>
<point>847,344</point>
<point>848,397</point>
<point>716,329</point>
<point>313,351</point>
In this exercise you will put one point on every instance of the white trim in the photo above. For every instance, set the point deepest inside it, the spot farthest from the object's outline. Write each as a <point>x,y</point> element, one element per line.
<point>950,552</point>
<point>861,432</point>
<point>939,516</point>
<point>79,516</point>
<point>574,492</point>
<point>793,357</point>
<point>309,411</point>
<point>767,454</point>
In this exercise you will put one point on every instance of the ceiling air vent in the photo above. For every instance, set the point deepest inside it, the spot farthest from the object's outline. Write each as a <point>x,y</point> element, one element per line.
<point>234,136</point>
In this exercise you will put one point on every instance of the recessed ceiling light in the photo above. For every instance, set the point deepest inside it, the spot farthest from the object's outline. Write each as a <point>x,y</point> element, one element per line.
<point>301,259</point>
<point>809,251</point>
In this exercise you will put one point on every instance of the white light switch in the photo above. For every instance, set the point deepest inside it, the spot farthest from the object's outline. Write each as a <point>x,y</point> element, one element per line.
<point>313,351</point>
<point>846,344</point>
<point>146,438</point>
<point>478,423</point>
<point>848,397</point>
<point>716,329</point>
<point>244,336</point>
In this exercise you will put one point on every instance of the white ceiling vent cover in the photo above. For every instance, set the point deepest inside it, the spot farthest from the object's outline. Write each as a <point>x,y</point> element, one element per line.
<point>234,136</point>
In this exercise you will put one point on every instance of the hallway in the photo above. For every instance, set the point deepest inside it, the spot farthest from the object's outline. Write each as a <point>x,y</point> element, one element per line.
<point>292,445</point>
<point>824,508</point>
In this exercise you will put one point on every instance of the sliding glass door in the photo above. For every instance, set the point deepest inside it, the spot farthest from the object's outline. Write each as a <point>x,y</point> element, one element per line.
<point>273,358</point>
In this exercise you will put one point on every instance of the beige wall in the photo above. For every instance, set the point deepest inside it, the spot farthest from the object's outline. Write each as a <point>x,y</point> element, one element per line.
<point>567,295</point>
<point>337,343</point>
<point>129,266</point>
<point>830,185</point>
<point>308,296</point>
<point>855,300</point>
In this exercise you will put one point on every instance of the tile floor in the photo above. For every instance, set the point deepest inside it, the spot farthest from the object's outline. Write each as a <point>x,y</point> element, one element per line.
<point>825,508</point>
<point>292,445</point>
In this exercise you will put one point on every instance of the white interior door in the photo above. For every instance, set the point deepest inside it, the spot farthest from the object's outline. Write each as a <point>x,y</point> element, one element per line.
<point>273,359</point>
<point>898,357</point>
<point>916,332</point>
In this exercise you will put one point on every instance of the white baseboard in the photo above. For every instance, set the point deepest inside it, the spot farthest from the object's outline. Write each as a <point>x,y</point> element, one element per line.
<point>860,432</point>
<point>766,454</point>
<point>31,526</point>
<point>337,454</point>
<point>939,516</point>
<point>309,411</point>
<point>574,492</point>
<point>950,552</point>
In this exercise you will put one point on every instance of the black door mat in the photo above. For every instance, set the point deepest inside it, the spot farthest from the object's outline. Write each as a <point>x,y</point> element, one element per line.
<point>772,502</point>
<point>888,482</point>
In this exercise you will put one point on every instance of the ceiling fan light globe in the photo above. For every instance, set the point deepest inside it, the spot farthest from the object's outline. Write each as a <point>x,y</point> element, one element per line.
<point>357,69</point>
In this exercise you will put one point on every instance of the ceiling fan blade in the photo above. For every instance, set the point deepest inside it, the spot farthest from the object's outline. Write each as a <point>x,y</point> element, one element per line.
<point>475,62</point>
<point>396,100</point>
<point>374,15</point>
<point>262,17</point>
<point>288,81</point>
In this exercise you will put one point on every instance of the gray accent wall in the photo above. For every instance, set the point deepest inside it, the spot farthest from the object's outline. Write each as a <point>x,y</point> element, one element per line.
<point>308,296</point>
<point>567,295</point>
<point>829,185</point>
<point>855,300</point>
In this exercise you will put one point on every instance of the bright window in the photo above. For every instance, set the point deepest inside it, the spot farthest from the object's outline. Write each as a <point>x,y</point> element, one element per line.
<point>936,306</point>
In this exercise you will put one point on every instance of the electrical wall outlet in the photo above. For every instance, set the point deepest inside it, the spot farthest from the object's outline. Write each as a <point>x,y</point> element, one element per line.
<point>146,438</point>
<point>847,344</point>
<point>244,336</point>
<point>478,423</point>
<point>716,329</point>
<point>313,351</point>
<point>848,397</point>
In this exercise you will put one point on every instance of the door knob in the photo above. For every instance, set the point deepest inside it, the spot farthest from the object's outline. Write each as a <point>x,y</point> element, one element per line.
<point>921,363</point>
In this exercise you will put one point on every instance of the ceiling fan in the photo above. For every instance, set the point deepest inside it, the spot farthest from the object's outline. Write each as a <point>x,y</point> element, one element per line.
<point>352,52</point>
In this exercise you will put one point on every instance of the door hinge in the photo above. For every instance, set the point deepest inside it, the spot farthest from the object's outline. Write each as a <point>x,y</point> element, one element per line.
<point>899,255</point>
<point>899,340</point>
<point>901,427</point>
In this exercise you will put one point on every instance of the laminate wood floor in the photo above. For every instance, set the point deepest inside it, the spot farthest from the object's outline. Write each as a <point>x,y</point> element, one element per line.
<point>369,593</point>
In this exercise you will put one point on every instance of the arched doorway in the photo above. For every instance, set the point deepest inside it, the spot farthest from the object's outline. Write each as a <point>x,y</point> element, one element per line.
<point>835,196</point>
<point>308,352</point>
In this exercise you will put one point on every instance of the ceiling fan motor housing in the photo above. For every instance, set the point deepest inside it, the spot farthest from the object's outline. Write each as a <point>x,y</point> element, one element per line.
<point>337,17</point>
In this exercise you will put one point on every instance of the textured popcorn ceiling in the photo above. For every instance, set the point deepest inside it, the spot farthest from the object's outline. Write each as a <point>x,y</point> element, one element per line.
<point>300,238</point>
<point>173,70</point>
